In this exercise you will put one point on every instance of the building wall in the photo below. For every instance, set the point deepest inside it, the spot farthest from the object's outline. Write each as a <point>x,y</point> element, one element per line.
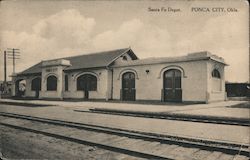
<point>197,82</point>
<point>109,84</point>
<point>102,84</point>
<point>28,91</point>
<point>149,86</point>
<point>216,87</point>
<point>55,71</point>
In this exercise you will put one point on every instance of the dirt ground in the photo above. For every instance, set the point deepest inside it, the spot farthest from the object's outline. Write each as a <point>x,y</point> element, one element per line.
<point>18,144</point>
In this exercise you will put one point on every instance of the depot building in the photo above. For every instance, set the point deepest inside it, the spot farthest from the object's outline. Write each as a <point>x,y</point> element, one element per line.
<point>121,75</point>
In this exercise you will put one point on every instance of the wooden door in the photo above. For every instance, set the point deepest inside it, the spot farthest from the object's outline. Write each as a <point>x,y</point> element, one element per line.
<point>36,86</point>
<point>128,86</point>
<point>86,83</point>
<point>172,86</point>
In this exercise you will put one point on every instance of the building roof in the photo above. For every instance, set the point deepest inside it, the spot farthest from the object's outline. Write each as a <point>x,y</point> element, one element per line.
<point>204,55</point>
<point>33,69</point>
<point>105,59</point>
<point>93,60</point>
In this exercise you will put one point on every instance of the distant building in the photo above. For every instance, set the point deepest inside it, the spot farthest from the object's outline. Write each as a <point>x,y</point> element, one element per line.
<point>5,88</point>
<point>238,89</point>
<point>120,75</point>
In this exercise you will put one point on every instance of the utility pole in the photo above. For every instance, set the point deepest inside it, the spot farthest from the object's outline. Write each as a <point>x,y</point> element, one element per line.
<point>5,67</point>
<point>14,54</point>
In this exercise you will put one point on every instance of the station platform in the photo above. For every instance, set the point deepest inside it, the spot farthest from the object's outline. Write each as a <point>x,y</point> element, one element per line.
<point>234,109</point>
<point>216,132</point>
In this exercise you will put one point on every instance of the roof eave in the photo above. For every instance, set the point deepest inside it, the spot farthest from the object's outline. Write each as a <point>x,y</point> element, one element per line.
<point>213,59</point>
<point>77,69</point>
<point>27,74</point>
<point>162,62</point>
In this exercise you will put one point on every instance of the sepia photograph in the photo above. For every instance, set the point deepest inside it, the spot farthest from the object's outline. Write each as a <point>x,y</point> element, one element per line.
<point>124,80</point>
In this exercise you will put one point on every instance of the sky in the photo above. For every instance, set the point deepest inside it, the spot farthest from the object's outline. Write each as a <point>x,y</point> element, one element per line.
<point>52,29</point>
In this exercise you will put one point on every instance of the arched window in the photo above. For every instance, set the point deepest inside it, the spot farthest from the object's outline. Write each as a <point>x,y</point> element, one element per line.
<point>216,80</point>
<point>87,82</point>
<point>51,83</point>
<point>36,84</point>
<point>216,74</point>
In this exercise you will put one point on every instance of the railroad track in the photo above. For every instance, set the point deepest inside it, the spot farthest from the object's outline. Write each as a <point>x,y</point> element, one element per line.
<point>171,116</point>
<point>138,144</point>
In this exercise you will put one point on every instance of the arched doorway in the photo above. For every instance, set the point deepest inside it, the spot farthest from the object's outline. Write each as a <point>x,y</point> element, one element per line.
<point>128,86</point>
<point>172,85</point>
<point>36,86</point>
<point>20,87</point>
<point>86,83</point>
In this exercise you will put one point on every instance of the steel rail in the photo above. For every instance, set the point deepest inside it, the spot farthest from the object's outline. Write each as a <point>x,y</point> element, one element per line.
<point>103,146</point>
<point>228,148</point>
<point>179,117</point>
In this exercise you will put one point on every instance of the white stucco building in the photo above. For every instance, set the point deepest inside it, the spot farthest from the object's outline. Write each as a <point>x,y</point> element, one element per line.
<point>120,75</point>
